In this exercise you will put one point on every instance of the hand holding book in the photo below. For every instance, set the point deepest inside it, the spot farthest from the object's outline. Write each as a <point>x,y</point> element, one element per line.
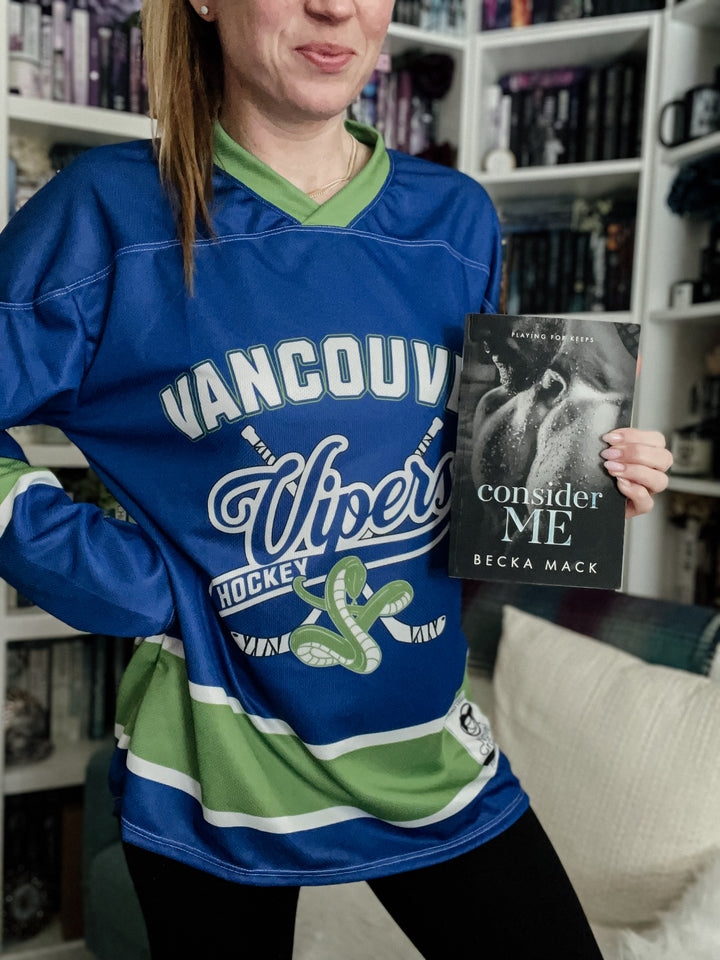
<point>639,460</point>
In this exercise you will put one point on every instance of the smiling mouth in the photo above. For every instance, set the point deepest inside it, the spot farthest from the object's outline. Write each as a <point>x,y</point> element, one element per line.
<point>327,57</point>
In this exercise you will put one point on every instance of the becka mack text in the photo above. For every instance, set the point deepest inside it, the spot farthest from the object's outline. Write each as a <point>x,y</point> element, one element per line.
<point>516,563</point>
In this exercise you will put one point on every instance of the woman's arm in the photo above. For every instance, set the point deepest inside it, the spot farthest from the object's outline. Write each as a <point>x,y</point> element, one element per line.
<point>96,574</point>
<point>93,572</point>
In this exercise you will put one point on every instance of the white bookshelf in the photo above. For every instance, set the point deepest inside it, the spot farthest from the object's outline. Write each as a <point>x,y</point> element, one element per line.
<point>674,340</point>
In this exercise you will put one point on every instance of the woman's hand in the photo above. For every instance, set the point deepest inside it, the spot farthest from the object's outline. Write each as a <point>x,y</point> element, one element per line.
<point>639,460</point>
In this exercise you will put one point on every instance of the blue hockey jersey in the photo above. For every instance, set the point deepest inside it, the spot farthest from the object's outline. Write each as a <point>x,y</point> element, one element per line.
<point>298,709</point>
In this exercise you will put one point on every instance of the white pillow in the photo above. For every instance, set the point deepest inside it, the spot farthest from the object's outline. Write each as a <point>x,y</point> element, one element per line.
<point>689,931</point>
<point>621,760</point>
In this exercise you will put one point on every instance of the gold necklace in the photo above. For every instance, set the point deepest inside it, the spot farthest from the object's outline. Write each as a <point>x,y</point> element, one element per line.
<point>338,180</point>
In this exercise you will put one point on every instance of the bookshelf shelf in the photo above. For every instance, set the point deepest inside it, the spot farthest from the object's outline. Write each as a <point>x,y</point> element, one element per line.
<point>698,312</point>
<point>64,767</point>
<point>48,950</point>
<point>48,945</point>
<point>700,486</point>
<point>575,179</point>
<point>54,455</point>
<point>451,41</point>
<point>31,623</point>
<point>560,31</point>
<point>694,150</point>
<point>87,125</point>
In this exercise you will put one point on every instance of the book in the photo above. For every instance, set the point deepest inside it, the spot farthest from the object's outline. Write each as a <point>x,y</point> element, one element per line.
<point>532,501</point>
<point>80,30</point>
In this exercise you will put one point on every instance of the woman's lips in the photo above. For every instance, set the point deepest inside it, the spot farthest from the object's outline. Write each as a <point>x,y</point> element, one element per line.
<point>327,57</point>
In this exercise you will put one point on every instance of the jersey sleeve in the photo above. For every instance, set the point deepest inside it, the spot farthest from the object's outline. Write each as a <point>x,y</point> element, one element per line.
<point>492,294</point>
<point>95,573</point>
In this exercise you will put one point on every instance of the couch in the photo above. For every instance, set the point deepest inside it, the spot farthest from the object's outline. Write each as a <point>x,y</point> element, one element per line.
<point>608,707</point>
<point>609,710</point>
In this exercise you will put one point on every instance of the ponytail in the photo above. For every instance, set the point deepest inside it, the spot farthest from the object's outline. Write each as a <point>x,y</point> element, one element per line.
<point>185,83</point>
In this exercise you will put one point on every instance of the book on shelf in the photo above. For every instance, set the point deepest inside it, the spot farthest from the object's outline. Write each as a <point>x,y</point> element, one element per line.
<point>42,869</point>
<point>693,560</point>
<point>568,115</point>
<point>60,691</point>
<point>438,16</point>
<point>400,99</point>
<point>568,255</point>
<point>532,501</point>
<point>502,14</point>
<point>87,52</point>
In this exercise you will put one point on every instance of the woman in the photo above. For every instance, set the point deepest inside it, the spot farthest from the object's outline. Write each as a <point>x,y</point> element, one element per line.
<point>259,359</point>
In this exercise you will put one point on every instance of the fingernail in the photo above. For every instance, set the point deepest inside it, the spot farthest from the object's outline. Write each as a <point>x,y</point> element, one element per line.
<point>623,480</point>
<point>612,437</point>
<point>614,467</point>
<point>611,453</point>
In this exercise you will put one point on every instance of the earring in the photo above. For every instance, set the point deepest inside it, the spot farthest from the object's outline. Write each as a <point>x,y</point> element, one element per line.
<point>204,10</point>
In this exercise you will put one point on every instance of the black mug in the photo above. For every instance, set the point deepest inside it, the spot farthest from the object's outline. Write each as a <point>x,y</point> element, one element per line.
<point>695,115</point>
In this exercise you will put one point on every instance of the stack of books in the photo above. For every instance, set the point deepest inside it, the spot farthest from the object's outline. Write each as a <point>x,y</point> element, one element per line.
<point>566,255</point>
<point>442,16</point>
<point>61,691</point>
<point>87,52</point>
<point>501,14</point>
<point>569,115</point>
<point>400,100</point>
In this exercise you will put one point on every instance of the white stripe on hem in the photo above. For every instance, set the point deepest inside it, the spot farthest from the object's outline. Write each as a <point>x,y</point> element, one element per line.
<point>294,823</point>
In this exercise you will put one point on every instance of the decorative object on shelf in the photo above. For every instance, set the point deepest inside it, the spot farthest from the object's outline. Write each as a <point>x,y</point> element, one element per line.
<point>32,167</point>
<point>696,445</point>
<point>710,266</point>
<point>27,703</point>
<point>26,904</point>
<point>693,549</point>
<point>682,294</point>
<point>695,191</point>
<point>26,722</point>
<point>696,114</point>
<point>706,289</point>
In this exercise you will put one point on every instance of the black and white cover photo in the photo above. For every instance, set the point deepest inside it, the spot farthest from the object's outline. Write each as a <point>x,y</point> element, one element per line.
<point>532,501</point>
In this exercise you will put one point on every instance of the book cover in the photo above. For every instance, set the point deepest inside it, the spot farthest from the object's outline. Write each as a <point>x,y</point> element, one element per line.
<point>532,501</point>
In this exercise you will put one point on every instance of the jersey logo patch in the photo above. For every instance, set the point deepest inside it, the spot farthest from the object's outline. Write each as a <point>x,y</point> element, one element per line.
<point>351,646</point>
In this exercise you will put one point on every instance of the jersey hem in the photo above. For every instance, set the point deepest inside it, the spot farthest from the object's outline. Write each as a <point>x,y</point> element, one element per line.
<point>369,871</point>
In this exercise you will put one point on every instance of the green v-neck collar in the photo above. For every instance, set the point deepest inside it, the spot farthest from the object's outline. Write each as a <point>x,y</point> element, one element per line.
<point>339,211</point>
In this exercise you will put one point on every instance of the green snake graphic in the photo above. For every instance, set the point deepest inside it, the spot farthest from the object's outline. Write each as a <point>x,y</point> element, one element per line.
<point>352,646</point>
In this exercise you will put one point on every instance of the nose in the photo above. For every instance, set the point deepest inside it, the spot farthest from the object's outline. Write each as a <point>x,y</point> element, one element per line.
<point>330,10</point>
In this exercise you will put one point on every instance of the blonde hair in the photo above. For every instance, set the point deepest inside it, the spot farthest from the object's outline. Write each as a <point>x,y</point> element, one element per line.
<point>185,84</point>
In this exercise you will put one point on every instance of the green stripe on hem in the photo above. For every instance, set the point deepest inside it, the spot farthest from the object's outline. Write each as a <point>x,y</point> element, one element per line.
<point>274,775</point>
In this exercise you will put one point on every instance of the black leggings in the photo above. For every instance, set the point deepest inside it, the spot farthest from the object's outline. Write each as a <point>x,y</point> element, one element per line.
<point>508,899</point>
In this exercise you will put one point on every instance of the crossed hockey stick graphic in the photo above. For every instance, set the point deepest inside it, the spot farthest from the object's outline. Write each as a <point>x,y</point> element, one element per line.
<point>351,646</point>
